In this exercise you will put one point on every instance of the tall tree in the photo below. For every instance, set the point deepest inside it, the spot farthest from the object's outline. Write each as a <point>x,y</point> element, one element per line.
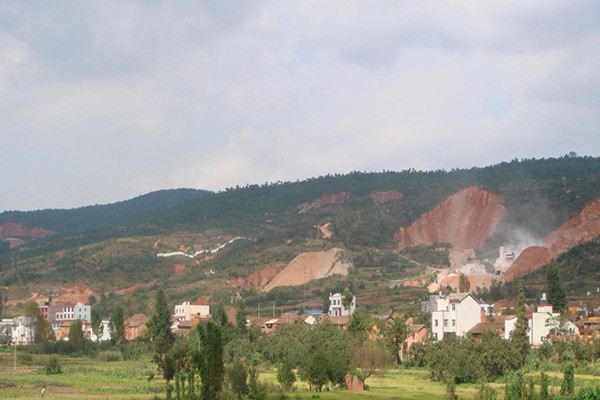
<point>209,360</point>
<point>76,335</point>
<point>240,315</point>
<point>219,315</point>
<point>159,327</point>
<point>159,330</point>
<point>347,298</point>
<point>464,285</point>
<point>96,321</point>
<point>395,335</point>
<point>557,296</point>
<point>42,330</point>
<point>519,337</point>
<point>116,325</point>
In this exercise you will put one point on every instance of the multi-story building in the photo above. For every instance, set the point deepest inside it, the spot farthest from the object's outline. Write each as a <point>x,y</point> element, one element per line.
<point>187,311</point>
<point>336,307</point>
<point>455,314</point>
<point>541,323</point>
<point>69,312</point>
<point>24,330</point>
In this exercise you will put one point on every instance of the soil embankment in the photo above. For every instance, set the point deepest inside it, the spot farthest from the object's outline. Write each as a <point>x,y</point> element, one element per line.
<point>11,229</point>
<point>466,219</point>
<point>308,266</point>
<point>582,227</point>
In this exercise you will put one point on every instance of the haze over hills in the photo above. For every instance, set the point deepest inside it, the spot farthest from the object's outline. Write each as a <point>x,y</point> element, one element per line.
<point>387,225</point>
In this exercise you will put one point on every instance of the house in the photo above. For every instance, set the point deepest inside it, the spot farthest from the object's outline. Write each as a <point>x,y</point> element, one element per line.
<point>430,304</point>
<point>477,331</point>
<point>268,326</point>
<point>135,326</point>
<point>456,314</point>
<point>103,333</point>
<point>6,327</point>
<point>336,307</point>
<point>541,323</point>
<point>23,332</point>
<point>339,322</point>
<point>308,319</point>
<point>186,311</point>
<point>69,312</point>
<point>589,326</point>
<point>416,333</point>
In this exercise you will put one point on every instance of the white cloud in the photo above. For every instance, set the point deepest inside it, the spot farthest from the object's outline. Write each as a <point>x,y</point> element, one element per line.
<point>105,101</point>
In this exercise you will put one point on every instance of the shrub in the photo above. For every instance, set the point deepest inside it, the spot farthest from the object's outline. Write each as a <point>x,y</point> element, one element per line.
<point>286,376</point>
<point>109,356</point>
<point>53,365</point>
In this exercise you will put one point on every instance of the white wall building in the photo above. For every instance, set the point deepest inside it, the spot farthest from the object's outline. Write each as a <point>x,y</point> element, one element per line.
<point>541,323</point>
<point>187,311</point>
<point>337,309</point>
<point>104,335</point>
<point>456,314</point>
<point>69,312</point>
<point>24,330</point>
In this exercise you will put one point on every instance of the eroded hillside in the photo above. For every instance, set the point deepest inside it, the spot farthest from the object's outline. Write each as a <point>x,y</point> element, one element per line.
<point>466,219</point>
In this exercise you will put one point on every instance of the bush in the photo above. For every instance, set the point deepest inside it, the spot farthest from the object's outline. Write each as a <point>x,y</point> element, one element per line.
<point>109,356</point>
<point>53,365</point>
<point>286,376</point>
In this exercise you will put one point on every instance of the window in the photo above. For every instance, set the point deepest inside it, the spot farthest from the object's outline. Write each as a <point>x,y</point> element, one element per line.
<point>445,322</point>
<point>436,322</point>
<point>454,323</point>
<point>453,307</point>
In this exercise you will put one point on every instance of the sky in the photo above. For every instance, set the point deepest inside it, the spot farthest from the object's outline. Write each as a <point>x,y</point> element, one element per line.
<point>101,101</point>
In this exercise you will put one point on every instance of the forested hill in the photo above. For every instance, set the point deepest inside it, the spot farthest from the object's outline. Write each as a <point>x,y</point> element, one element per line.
<point>541,194</point>
<point>63,221</point>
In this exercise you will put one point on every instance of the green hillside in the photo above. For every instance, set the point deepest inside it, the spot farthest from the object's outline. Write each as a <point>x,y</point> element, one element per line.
<point>116,246</point>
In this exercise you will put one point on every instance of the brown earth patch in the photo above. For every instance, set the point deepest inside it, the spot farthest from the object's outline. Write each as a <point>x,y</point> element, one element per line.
<point>11,229</point>
<point>326,230</point>
<point>178,269</point>
<point>466,219</point>
<point>332,198</point>
<point>380,198</point>
<point>529,260</point>
<point>74,294</point>
<point>132,288</point>
<point>308,266</point>
<point>258,279</point>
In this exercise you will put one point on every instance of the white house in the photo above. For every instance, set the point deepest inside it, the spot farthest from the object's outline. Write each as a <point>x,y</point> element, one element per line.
<point>337,309</point>
<point>70,312</point>
<point>456,314</point>
<point>541,323</point>
<point>23,330</point>
<point>104,335</point>
<point>186,311</point>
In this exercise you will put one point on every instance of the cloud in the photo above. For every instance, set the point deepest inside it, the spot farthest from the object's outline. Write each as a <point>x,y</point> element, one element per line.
<point>104,101</point>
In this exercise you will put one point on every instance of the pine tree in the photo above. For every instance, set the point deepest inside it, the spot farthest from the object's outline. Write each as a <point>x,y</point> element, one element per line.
<point>96,321</point>
<point>219,315</point>
<point>519,336</point>
<point>240,315</point>
<point>116,325</point>
<point>209,360</point>
<point>557,296</point>
<point>159,327</point>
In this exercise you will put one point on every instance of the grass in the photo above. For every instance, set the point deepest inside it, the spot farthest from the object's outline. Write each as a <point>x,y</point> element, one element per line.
<point>85,378</point>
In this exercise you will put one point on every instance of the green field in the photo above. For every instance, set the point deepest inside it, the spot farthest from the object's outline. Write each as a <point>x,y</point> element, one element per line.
<point>84,378</point>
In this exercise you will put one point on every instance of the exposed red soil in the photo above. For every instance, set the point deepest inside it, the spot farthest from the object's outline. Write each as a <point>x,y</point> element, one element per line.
<point>466,219</point>
<point>178,269</point>
<point>202,300</point>
<point>258,279</point>
<point>582,227</point>
<point>529,260</point>
<point>380,198</point>
<point>74,294</point>
<point>132,288</point>
<point>579,229</point>
<point>11,229</point>
<point>332,198</point>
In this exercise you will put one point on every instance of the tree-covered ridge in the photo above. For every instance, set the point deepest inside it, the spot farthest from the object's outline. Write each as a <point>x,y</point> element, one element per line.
<point>100,216</point>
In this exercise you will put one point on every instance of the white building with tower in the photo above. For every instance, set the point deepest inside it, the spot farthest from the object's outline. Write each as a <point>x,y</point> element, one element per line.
<point>336,306</point>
